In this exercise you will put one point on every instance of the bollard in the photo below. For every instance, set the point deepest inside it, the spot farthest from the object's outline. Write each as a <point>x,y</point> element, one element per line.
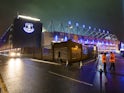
<point>80,64</point>
<point>100,68</point>
<point>66,62</point>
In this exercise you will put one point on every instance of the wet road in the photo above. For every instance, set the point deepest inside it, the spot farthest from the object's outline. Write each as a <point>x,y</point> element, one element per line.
<point>36,76</point>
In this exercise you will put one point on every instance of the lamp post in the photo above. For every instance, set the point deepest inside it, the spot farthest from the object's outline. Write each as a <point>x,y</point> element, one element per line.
<point>77,27</point>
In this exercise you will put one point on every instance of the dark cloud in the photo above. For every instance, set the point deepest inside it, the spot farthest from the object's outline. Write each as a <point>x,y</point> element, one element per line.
<point>104,14</point>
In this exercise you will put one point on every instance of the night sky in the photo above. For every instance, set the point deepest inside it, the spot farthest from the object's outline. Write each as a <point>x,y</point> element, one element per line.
<point>104,14</point>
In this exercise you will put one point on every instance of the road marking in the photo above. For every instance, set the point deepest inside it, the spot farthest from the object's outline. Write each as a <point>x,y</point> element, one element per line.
<point>82,82</point>
<point>88,61</point>
<point>46,62</point>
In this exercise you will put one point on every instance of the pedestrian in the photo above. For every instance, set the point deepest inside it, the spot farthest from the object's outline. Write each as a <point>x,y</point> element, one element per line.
<point>59,56</point>
<point>112,61</point>
<point>104,60</point>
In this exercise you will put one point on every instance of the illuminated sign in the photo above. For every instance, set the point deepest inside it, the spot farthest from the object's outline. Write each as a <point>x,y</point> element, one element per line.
<point>28,28</point>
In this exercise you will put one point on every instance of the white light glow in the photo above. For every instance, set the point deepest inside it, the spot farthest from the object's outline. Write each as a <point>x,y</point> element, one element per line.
<point>12,54</point>
<point>14,64</point>
<point>29,28</point>
<point>28,17</point>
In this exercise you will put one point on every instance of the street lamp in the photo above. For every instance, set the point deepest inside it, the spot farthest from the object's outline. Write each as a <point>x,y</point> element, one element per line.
<point>77,27</point>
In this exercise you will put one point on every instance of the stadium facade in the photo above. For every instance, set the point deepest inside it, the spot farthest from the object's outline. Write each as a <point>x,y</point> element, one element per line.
<point>104,40</point>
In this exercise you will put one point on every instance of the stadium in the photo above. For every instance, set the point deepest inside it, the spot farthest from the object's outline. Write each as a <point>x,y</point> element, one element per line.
<point>66,42</point>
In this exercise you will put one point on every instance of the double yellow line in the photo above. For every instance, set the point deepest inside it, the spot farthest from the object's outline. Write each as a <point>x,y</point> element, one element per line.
<point>3,86</point>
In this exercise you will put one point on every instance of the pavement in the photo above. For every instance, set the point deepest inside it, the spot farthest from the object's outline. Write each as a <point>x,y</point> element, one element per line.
<point>113,81</point>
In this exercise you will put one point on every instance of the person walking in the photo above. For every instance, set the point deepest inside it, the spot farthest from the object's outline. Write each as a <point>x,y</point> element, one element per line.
<point>112,61</point>
<point>104,60</point>
<point>59,57</point>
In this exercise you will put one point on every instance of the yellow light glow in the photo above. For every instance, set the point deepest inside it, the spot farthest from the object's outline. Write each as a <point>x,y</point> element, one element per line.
<point>75,48</point>
<point>18,54</point>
